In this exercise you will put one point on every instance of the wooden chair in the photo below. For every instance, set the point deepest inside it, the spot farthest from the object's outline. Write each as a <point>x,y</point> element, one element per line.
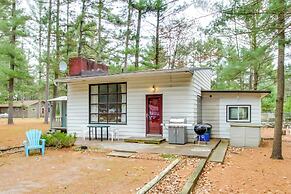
<point>34,142</point>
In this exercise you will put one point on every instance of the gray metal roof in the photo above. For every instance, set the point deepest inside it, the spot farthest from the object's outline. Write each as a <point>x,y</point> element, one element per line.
<point>132,74</point>
<point>262,93</point>
<point>238,91</point>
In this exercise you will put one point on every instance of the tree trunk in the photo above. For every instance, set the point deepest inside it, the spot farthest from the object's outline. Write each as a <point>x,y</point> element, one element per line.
<point>99,29</point>
<point>254,45</point>
<point>136,63</point>
<point>129,13</point>
<point>251,80</point>
<point>81,29</point>
<point>12,67</point>
<point>46,112</point>
<point>39,53</point>
<point>157,40</point>
<point>256,80</point>
<point>277,143</point>
<point>56,69</point>
<point>174,57</point>
<point>67,28</point>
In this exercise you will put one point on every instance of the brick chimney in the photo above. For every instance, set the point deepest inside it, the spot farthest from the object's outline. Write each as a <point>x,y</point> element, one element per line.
<point>79,66</point>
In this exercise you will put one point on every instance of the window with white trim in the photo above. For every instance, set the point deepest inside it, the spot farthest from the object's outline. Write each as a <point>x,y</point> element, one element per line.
<point>238,113</point>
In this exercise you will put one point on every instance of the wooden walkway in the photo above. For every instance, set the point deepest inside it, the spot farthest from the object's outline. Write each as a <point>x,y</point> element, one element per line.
<point>219,152</point>
<point>146,140</point>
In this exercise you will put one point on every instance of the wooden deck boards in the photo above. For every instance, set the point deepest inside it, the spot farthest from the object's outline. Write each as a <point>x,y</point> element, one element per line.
<point>219,152</point>
<point>146,140</point>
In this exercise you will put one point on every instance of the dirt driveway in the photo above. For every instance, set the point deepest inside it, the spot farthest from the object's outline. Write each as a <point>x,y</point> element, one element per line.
<point>67,171</point>
<point>13,135</point>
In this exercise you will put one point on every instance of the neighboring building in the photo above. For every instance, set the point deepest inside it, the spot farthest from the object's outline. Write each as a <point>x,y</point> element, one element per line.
<point>25,109</point>
<point>138,103</point>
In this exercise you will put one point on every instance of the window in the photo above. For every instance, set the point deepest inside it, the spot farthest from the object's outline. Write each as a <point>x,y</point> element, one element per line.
<point>108,103</point>
<point>238,113</point>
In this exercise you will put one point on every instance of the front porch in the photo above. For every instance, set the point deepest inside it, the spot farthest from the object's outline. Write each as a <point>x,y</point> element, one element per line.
<point>193,150</point>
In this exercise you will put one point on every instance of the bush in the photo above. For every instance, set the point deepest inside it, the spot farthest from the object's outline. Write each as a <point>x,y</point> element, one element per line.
<point>59,140</point>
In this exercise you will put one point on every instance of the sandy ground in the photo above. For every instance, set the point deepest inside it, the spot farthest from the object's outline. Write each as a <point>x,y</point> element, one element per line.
<point>268,133</point>
<point>249,170</point>
<point>245,170</point>
<point>67,171</point>
<point>13,135</point>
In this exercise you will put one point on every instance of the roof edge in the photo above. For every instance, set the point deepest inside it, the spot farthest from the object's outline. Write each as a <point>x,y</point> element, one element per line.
<point>145,73</point>
<point>238,91</point>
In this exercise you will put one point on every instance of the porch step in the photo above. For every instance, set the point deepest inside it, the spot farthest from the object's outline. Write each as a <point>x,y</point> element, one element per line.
<point>122,154</point>
<point>146,140</point>
<point>219,152</point>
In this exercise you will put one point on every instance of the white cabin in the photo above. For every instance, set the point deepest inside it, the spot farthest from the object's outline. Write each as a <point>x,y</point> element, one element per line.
<point>138,103</point>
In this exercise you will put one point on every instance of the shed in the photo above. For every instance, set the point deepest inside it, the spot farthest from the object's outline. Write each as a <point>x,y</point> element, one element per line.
<point>25,108</point>
<point>235,115</point>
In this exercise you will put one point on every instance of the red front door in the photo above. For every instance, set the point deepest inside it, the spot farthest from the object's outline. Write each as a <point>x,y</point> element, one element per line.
<point>154,114</point>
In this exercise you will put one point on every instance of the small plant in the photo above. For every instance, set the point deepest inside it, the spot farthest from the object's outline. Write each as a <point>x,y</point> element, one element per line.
<point>168,156</point>
<point>59,140</point>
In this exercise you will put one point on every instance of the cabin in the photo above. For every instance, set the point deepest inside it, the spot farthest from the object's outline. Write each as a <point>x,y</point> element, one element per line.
<point>25,108</point>
<point>58,121</point>
<point>139,103</point>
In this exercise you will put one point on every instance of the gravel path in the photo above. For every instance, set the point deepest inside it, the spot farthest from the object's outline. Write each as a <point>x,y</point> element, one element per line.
<point>175,180</point>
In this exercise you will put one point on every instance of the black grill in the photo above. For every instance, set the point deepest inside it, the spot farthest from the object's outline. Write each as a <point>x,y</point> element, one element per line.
<point>200,129</point>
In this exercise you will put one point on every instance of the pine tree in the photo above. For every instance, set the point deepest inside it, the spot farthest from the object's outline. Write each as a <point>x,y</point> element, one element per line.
<point>13,62</point>
<point>277,143</point>
<point>48,61</point>
<point>158,6</point>
<point>142,7</point>
<point>128,32</point>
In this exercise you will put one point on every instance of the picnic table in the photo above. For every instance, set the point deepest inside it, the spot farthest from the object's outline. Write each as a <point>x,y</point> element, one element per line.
<point>94,128</point>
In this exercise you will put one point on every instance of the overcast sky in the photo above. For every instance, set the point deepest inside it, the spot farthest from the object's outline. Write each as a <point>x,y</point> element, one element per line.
<point>202,17</point>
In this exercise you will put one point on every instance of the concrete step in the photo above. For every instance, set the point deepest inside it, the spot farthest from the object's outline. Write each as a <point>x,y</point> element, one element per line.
<point>121,154</point>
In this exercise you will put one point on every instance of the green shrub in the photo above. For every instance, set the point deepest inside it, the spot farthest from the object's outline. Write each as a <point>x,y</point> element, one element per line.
<point>59,140</point>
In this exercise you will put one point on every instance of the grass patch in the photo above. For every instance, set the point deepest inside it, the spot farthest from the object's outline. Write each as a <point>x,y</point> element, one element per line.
<point>168,156</point>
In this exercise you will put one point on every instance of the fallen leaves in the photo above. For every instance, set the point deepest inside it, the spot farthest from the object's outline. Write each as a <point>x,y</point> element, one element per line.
<point>175,180</point>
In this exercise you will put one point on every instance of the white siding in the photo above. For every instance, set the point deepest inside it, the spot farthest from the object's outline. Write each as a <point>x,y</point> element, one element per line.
<point>177,101</point>
<point>201,81</point>
<point>214,110</point>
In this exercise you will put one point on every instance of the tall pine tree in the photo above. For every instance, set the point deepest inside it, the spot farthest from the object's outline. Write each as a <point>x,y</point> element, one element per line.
<point>12,59</point>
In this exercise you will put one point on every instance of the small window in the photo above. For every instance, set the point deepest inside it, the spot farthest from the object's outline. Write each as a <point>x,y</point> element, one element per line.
<point>238,113</point>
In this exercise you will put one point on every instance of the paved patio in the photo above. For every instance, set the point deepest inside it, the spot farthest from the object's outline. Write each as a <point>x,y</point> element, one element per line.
<point>190,149</point>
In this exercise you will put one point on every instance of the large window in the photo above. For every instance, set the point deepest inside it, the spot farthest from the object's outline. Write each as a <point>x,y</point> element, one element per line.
<point>108,103</point>
<point>238,113</point>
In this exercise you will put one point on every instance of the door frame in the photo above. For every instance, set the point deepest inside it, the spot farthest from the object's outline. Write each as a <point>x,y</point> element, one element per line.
<point>147,109</point>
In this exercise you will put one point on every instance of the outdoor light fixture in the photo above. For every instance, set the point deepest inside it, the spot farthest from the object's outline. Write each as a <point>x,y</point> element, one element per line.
<point>154,89</point>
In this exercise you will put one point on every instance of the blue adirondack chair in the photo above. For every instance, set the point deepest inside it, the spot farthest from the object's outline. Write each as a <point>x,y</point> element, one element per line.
<point>34,142</point>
